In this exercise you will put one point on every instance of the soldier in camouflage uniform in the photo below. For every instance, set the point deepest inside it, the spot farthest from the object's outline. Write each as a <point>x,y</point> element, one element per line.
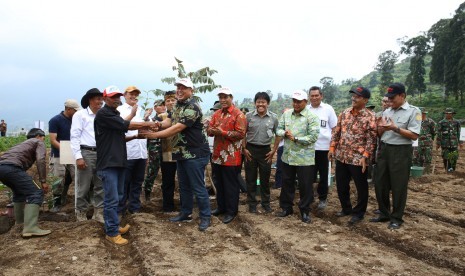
<point>154,150</point>
<point>448,131</point>
<point>423,154</point>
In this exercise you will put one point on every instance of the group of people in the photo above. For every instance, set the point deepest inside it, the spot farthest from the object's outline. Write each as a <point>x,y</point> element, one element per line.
<point>112,143</point>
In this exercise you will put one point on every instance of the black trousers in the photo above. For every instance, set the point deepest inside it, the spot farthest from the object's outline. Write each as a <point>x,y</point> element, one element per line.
<point>344,173</point>
<point>305,176</point>
<point>168,174</point>
<point>227,188</point>
<point>23,186</point>
<point>258,166</point>
<point>321,167</point>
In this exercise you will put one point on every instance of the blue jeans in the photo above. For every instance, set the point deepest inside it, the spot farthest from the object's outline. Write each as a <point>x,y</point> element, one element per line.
<point>133,178</point>
<point>113,184</point>
<point>191,177</point>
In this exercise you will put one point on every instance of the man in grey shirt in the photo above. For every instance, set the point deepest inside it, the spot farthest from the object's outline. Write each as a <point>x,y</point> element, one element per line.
<point>261,128</point>
<point>398,127</point>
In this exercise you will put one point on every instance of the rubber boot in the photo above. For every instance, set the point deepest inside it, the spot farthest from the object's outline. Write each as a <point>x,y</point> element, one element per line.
<point>64,195</point>
<point>31,216</point>
<point>81,215</point>
<point>98,215</point>
<point>19,212</point>
<point>56,204</point>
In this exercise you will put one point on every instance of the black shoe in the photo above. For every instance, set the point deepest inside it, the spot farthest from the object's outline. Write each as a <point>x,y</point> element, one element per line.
<point>204,223</point>
<point>228,218</point>
<point>341,214</point>
<point>181,217</point>
<point>253,209</point>
<point>394,225</point>
<point>147,196</point>
<point>267,209</point>
<point>217,212</point>
<point>306,217</point>
<point>379,219</point>
<point>377,212</point>
<point>355,219</point>
<point>284,213</point>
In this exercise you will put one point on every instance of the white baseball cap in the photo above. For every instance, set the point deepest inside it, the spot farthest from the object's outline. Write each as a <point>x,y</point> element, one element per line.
<point>299,95</point>
<point>225,90</point>
<point>186,82</point>
<point>72,103</point>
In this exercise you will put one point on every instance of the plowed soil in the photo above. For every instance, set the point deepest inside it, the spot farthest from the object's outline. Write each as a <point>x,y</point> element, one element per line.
<point>430,242</point>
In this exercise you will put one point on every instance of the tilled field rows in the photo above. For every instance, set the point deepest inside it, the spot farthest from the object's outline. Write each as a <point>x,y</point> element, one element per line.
<point>265,245</point>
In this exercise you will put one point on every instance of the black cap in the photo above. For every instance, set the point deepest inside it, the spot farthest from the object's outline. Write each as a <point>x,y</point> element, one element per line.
<point>395,89</point>
<point>168,94</point>
<point>361,91</point>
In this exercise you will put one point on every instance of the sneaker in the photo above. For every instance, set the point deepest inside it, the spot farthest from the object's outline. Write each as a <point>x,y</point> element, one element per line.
<point>253,209</point>
<point>322,204</point>
<point>204,224</point>
<point>181,217</point>
<point>124,230</point>
<point>118,240</point>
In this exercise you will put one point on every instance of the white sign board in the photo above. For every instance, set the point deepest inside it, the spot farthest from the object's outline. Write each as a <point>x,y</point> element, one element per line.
<point>462,134</point>
<point>66,154</point>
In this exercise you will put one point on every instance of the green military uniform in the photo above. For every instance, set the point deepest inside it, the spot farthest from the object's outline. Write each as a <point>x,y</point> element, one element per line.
<point>448,139</point>
<point>423,154</point>
<point>154,156</point>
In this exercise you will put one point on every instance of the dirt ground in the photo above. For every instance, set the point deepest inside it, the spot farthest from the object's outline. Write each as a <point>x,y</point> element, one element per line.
<point>430,242</point>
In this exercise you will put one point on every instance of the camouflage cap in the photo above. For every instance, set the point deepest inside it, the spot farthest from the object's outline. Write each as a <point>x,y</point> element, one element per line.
<point>159,102</point>
<point>216,106</point>
<point>449,110</point>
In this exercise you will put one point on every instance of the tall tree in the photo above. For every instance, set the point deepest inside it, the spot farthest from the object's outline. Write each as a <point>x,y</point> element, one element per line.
<point>385,67</point>
<point>456,68</point>
<point>328,88</point>
<point>417,48</point>
<point>448,64</point>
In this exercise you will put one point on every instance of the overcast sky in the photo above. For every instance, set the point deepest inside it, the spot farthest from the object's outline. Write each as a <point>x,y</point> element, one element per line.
<point>54,50</point>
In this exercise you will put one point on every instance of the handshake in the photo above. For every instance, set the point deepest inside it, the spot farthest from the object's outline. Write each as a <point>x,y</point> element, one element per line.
<point>149,130</point>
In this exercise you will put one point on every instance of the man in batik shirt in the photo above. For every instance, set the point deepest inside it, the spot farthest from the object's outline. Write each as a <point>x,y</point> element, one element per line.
<point>352,145</point>
<point>228,126</point>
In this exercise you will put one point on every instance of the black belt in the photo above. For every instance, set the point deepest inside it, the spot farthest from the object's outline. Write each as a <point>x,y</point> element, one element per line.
<point>258,146</point>
<point>88,148</point>
<point>392,145</point>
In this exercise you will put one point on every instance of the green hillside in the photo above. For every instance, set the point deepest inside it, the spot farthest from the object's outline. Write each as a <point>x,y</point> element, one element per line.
<point>433,99</point>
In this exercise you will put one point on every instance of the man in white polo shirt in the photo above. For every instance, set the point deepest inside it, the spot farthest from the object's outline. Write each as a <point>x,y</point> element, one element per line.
<point>328,120</point>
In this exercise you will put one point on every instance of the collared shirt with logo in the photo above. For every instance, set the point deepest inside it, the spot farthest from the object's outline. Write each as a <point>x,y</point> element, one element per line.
<point>261,129</point>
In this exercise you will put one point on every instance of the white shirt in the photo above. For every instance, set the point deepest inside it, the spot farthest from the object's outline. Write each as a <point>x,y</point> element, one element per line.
<point>136,148</point>
<point>82,131</point>
<point>328,120</point>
